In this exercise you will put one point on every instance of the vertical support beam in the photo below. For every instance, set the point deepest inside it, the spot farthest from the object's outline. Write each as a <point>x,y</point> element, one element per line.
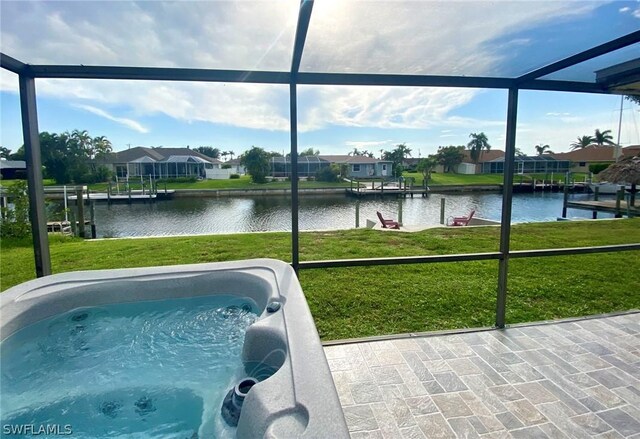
<point>295,233</point>
<point>507,198</point>
<point>37,212</point>
<point>304,16</point>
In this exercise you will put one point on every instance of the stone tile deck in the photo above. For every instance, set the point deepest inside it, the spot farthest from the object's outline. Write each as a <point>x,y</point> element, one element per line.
<point>577,379</point>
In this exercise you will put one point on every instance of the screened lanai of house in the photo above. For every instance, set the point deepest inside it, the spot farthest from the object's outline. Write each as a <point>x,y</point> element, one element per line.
<point>584,47</point>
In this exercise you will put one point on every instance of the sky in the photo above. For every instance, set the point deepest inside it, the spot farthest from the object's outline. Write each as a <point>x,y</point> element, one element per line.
<point>498,38</point>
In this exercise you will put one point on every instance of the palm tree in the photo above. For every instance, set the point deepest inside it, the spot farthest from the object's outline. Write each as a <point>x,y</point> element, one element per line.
<point>582,142</point>
<point>543,149</point>
<point>355,152</point>
<point>603,137</point>
<point>224,155</point>
<point>102,146</point>
<point>84,142</point>
<point>231,154</point>
<point>476,145</point>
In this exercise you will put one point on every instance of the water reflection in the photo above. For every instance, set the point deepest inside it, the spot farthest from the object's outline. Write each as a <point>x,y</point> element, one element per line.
<point>185,216</point>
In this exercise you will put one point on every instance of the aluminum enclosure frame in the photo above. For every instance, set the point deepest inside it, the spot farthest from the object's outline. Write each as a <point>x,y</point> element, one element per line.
<point>529,81</point>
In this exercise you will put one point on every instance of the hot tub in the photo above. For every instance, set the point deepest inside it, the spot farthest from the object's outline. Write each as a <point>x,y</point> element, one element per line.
<point>294,395</point>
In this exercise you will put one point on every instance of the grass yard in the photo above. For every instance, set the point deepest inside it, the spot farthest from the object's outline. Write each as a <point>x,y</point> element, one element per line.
<point>473,179</point>
<point>363,301</point>
<point>244,182</point>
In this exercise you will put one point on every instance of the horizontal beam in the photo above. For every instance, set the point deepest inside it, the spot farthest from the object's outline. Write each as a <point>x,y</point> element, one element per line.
<point>309,78</point>
<point>569,86</point>
<point>574,251</point>
<point>305,78</point>
<point>467,257</point>
<point>158,74</point>
<point>366,262</point>
<point>12,64</point>
<point>602,49</point>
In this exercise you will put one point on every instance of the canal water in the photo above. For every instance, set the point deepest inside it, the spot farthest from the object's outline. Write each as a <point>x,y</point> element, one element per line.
<point>189,216</point>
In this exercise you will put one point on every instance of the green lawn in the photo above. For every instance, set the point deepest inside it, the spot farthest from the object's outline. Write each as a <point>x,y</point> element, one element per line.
<point>354,302</point>
<point>472,179</point>
<point>244,182</point>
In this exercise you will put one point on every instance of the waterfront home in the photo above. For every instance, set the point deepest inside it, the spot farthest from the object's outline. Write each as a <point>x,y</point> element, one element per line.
<point>236,166</point>
<point>11,169</point>
<point>163,163</point>
<point>351,166</point>
<point>582,158</point>
<point>361,166</point>
<point>528,165</point>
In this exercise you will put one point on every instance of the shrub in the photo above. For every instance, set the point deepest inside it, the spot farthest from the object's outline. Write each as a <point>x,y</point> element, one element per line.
<point>178,180</point>
<point>225,166</point>
<point>597,168</point>
<point>15,221</point>
<point>234,176</point>
<point>328,173</point>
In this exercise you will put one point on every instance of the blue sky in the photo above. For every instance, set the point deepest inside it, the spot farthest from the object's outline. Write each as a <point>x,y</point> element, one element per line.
<point>362,36</point>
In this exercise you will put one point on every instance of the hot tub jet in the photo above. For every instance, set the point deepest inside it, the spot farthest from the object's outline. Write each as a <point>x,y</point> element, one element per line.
<point>232,404</point>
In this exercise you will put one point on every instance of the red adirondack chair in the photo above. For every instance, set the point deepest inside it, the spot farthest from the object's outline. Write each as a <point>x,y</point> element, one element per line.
<point>387,224</point>
<point>460,220</point>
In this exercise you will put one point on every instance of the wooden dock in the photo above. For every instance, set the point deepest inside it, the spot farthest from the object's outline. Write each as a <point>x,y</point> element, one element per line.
<point>386,191</point>
<point>608,206</point>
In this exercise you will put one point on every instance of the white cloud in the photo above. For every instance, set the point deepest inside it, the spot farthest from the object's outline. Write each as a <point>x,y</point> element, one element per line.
<point>459,38</point>
<point>259,35</point>
<point>625,9</point>
<point>129,123</point>
<point>368,144</point>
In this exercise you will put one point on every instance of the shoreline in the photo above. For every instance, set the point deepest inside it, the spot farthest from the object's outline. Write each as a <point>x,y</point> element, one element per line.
<point>184,193</point>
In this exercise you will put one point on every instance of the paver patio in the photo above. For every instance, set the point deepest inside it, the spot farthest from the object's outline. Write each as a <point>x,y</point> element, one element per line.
<point>577,379</point>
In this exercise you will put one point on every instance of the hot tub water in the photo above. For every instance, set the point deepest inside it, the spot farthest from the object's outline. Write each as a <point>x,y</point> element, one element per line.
<point>143,369</point>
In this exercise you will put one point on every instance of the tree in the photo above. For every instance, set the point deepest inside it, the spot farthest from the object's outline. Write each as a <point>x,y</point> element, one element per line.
<point>84,142</point>
<point>102,147</point>
<point>256,162</point>
<point>4,152</point>
<point>519,153</point>
<point>231,154</point>
<point>209,151</point>
<point>543,149</point>
<point>363,153</point>
<point>328,173</point>
<point>224,155</point>
<point>582,142</point>
<point>397,156</point>
<point>635,99</point>
<point>426,166</point>
<point>66,157</point>
<point>602,137</point>
<point>450,157</point>
<point>476,145</point>
<point>309,152</point>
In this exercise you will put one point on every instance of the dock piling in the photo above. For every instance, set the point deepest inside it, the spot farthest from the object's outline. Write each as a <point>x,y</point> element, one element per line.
<point>400,211</point>
<point>565,199</point>
<point>357,213</point>
<point>442,201</point>
<point>80,207</point>
<point>619,196</point>
<point>92,212</point>
<point>596,194</point>
<point>74,225</point>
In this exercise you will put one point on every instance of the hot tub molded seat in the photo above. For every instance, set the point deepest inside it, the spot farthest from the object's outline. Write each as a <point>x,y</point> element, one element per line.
<point>298,400</point>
